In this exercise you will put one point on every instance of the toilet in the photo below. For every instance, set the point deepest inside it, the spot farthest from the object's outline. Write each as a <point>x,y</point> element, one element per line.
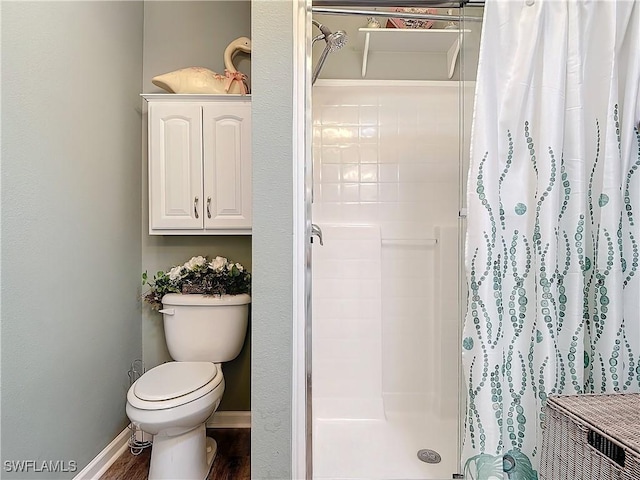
<point>173,401</point>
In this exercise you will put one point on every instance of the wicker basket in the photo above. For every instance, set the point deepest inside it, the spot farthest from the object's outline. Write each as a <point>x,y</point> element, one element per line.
<point>591,437</point>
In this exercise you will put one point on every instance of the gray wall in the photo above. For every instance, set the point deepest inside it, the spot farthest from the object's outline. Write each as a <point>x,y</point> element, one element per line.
<point>272,238</point>
<point>180,34</point>
<point>346,63</point>
<point>71,75</point>
<point>177,35</point>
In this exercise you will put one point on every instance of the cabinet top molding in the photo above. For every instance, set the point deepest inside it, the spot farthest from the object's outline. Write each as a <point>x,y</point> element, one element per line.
<point>194,97</point>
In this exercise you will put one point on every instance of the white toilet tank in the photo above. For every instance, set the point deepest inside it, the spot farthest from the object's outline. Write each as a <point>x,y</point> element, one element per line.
<point>205,328</point>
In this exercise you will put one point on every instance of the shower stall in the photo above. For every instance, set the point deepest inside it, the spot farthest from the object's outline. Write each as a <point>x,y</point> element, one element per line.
<point>389,124</point>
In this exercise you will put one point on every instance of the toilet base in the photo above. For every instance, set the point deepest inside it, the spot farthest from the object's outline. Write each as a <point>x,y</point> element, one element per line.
<point>212,449</point>
<point>188,456</point>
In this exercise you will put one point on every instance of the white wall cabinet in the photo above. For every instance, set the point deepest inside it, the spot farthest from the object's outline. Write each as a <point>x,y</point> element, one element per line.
<point>199,164</point>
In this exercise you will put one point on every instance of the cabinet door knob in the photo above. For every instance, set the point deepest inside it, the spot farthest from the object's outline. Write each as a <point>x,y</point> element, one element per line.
<point>208,207</point>
<point>195,207</point>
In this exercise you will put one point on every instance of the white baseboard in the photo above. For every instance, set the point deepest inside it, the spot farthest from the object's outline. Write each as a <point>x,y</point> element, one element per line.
<point>96,467</point>
<point>230,419</point>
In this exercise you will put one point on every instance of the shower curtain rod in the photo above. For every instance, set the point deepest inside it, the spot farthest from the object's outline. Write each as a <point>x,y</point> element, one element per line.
<point>378,13</point>
<point>395,3</point>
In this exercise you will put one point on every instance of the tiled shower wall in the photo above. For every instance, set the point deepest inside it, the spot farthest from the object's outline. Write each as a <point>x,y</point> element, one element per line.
<point>388,157</point>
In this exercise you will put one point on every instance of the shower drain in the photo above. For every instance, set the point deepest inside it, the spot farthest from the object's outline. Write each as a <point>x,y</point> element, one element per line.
<point>429,456</point>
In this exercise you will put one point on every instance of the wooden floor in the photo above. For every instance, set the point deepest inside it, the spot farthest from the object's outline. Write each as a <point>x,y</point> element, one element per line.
<point>232,461</point>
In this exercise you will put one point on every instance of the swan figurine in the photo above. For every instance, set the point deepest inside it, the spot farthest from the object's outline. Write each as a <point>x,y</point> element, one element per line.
<point>203,80</point>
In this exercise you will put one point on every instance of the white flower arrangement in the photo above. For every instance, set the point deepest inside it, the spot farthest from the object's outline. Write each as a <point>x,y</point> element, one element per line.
<point>198,275</point>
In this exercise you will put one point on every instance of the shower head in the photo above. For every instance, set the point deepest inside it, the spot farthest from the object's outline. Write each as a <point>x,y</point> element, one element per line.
<point>335,41</point>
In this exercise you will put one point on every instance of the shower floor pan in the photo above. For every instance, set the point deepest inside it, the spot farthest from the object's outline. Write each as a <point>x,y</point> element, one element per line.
<point>384,448</point>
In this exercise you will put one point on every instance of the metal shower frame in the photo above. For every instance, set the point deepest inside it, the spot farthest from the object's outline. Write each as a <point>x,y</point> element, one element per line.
<point>354,7</point>
<point>303,462</point>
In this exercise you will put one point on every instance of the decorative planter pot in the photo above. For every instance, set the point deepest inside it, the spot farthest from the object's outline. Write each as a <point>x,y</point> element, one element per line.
<point>192,289</point>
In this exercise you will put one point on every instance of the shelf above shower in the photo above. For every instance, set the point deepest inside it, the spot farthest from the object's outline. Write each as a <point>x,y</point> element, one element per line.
<point>413,40</point>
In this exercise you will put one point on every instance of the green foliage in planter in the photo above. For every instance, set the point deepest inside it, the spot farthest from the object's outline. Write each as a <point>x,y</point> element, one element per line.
<point>216,277</point>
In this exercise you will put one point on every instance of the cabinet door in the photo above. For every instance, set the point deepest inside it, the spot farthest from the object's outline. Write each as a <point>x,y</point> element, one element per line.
<point>175,166</point>
<point>227,165</point>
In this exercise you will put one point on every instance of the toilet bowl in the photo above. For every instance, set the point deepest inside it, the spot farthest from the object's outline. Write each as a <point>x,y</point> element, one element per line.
<point>172,402</point>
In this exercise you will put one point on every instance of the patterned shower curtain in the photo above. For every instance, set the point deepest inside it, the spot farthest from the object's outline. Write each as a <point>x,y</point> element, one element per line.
<point>553,222</point>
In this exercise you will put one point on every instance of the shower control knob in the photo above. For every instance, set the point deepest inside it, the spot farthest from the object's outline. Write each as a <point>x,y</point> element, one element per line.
<point>315,230</point>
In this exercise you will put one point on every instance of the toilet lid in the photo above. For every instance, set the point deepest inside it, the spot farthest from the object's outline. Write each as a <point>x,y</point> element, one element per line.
<point>173,380</point>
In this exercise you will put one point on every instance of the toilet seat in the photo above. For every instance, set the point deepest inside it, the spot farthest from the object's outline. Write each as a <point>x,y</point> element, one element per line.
<point>173,380</point>
<point>173,384</point>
